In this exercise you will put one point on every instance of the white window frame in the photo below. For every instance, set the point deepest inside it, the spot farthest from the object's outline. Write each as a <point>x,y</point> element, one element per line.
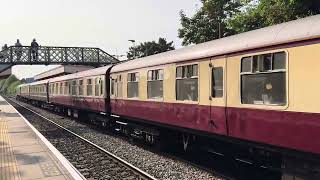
<point>286,71</point>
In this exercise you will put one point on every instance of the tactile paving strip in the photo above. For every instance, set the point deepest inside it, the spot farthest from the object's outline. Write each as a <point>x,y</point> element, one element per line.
<point>8,164</point>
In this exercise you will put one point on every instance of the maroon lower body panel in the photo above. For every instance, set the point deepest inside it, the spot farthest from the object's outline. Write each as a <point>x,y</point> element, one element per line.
<point>191,116</point>
<point>88,103</point>
<point>294,130</point>
<point>38,98</point>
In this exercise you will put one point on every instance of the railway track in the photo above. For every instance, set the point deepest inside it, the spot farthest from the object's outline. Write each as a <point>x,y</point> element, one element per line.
<point>219,166</point>
<point>92,161</point>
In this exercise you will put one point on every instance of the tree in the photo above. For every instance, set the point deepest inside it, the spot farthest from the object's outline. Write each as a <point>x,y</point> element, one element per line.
<point>237,16</point>
<point>210,22</point>
<point>271,12</point>
<point>150,48</point>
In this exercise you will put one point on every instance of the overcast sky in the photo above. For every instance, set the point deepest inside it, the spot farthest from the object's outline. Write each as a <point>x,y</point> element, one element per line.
<point>107,24</point>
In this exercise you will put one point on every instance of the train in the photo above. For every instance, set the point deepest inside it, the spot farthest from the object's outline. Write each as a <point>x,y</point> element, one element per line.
<point>254,95</point>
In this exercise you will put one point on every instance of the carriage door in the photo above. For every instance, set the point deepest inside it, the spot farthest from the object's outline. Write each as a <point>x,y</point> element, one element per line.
<point>218,96</point>
<point>117,92</point>
<point>113,92</point>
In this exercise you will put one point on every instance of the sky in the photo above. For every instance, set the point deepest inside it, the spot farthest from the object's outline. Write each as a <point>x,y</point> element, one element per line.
<point>107,24</point>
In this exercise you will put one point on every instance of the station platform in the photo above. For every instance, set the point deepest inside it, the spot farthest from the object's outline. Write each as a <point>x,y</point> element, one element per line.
<point>25,154</point>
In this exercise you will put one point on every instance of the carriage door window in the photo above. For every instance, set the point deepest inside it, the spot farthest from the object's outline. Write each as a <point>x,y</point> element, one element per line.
<point>57,88</point>
<point>217,82</point>
<point>52,88</point>
<point>61,88</point>
<point>119,86</point>
<point>97,87</point>
<point>187,83</point>
<point>263,79</point>
<point>101,87</point>
<point>112,86</point>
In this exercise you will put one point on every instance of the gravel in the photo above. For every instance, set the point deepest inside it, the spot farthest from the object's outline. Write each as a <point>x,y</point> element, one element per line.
<point>157,165</point>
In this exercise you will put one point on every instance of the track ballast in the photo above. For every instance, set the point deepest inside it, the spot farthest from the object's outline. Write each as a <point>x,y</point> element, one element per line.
<point>92,161</point>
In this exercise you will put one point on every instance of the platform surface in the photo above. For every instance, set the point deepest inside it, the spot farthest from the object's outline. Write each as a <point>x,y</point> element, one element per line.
<point>24,155</point>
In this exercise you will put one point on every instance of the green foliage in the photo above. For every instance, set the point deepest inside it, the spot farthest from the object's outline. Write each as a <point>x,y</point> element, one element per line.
<point>150,48</point>
<point>237,16</point>
<point>2,81</point>
<point>9,85</point>
<point>13,87</point>
<point>210,22</point>
<point>271,12</point>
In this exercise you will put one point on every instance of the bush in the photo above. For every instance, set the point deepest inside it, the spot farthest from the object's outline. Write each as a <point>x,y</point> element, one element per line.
<point>9,85</point>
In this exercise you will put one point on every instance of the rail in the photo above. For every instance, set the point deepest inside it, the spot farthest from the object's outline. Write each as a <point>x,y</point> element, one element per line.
<point>83,154</point>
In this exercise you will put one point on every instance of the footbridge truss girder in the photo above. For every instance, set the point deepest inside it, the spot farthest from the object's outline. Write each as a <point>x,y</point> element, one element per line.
<point>16,55</point>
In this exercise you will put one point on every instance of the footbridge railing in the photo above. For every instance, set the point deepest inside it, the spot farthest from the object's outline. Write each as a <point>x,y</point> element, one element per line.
<point>15,55</point>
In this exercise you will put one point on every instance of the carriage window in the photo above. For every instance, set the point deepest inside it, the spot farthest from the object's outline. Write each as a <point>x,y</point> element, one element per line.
<point>155,84</point>
<point>101,87</point>
<point>119,86</point>
<point>52,88</point>
<point>66,88</point>
<point>133,85</point>
<point>56,88</point>
<point>112,86</point>
<point>74,88</point>
<point>70,87</point>
<point>80,87</point>
<point>89,87</point>
<point>246,64</point>
<point>187,83</point>
<point>279,60</point>
<point>266,84</point>
<point>217,82</point>
<point>61,88</point>
<point>98,87</point>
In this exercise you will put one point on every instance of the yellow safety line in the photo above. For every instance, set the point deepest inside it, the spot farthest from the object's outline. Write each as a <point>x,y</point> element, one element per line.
<point>8,162</point>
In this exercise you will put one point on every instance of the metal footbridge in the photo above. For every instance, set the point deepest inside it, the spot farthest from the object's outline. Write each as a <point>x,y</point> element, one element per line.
<point>26,55</point>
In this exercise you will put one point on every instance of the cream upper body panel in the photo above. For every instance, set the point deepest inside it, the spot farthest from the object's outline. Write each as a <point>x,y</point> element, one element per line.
<point>302,75</point>
<point>169,83</point>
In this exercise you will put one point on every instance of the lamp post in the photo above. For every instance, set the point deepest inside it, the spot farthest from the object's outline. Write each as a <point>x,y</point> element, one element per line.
<point>134,47</point>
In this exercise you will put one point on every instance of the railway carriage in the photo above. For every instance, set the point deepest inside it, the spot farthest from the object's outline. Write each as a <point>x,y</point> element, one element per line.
<point>36,91</point>
<point>23,90</point>
<point>254,93</point>
<point>80,91</point>
<point>256,86</point>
